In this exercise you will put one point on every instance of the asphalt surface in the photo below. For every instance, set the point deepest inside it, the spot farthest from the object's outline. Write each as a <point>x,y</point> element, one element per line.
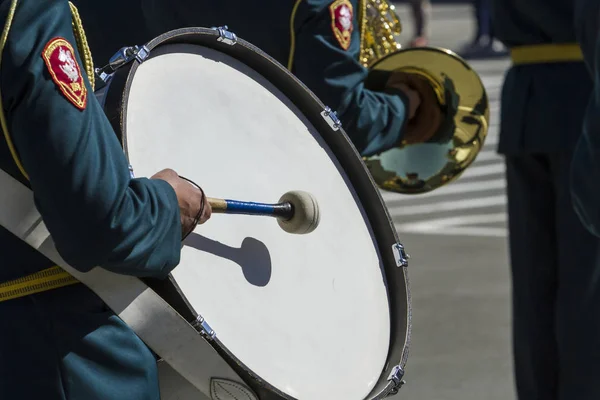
<point>459,270</point>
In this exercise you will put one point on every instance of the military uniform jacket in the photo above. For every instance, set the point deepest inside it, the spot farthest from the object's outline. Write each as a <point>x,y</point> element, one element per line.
<point>318,40</point>
<point>542,104</point>
<point>65,343</point>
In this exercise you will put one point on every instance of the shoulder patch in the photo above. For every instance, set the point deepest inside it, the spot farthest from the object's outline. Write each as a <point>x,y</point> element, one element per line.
<point>60,60</point>
<point>342,16</point>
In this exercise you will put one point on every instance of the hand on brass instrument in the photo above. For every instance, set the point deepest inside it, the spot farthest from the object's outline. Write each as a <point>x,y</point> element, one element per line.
<point>425,115</point>
<point>194,207</point>
<point>414,98</point>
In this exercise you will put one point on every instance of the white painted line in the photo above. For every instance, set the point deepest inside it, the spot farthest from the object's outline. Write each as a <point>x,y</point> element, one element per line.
<point>483,170</point>
<point>488,155</point>
<point>452,188</point>
<point>459,220</point>
<point>491,140</point>
<point>492,80</point>
<point>459,225</point>
<point>481,202</point>
<point>463,231</point>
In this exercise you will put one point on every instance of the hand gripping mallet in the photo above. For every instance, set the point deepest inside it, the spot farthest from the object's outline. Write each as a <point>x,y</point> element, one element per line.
<point>297,211</point>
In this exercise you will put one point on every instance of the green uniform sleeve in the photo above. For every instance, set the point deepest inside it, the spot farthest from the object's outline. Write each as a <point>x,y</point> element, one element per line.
<point>373,120</point>
<point>585,171</point>
<point>95,212</point>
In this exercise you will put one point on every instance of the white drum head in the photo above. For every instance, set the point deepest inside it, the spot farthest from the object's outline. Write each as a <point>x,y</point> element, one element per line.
<point>308,313</point>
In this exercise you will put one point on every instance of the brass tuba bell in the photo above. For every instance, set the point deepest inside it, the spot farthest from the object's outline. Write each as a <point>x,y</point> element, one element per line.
<point>423,167</point>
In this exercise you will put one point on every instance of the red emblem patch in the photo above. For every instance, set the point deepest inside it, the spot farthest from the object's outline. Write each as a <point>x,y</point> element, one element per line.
<point>342,15</point>
<point>59,57</point>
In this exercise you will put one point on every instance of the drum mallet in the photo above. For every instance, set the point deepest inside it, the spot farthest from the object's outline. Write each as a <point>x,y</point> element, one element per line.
<point>297,211</point>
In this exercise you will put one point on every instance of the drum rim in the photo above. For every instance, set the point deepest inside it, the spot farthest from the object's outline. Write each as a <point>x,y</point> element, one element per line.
<point>115,107</point>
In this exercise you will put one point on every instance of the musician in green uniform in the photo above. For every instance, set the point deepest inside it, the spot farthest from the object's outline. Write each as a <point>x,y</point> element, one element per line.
<point>554,260</point>
<point>65,343</point>
<point>318,40</point>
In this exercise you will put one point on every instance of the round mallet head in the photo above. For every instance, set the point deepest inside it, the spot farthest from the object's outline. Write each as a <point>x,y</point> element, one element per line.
<point>306,213</point>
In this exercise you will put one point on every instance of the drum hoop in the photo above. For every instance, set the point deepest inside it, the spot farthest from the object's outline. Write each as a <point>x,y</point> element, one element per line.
<point>395,275</point>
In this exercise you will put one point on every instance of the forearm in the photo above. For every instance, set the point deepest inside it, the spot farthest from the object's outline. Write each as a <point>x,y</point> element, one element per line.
<point>374,121</point>
<point>329,66</point>
<point>95,212</point>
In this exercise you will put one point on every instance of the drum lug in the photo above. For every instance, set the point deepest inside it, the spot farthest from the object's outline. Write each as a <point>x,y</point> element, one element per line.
<point>400,255</point>
<point>204,328</point>
<point>396,380</point>
<point>142,54</point>
<point>123,57</point>
<point>225,36</point>
<point>331,118</point>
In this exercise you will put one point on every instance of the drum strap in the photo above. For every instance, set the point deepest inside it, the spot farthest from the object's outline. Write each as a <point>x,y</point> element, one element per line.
<point>127,296</point>
<point>133,301</point>
<point>293,35</point>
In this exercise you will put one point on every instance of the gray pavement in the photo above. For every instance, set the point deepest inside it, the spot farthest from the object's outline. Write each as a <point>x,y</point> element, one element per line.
<point>451,24</point>
<point>459,271</point>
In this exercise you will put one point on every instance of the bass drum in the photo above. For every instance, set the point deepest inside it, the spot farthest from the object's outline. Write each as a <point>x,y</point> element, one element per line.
<point>324,315</point>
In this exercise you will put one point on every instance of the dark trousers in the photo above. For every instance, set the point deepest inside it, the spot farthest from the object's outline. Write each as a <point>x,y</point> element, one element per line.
<point>483,15</point>
<point>556,284</point>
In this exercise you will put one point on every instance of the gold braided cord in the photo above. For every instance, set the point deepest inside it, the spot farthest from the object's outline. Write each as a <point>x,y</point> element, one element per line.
<point>82,45</point>
<point>86,56</point>
<point>42,281</point>
<point>293,35</point>
<point>3,123</point>
<point>53,277</point>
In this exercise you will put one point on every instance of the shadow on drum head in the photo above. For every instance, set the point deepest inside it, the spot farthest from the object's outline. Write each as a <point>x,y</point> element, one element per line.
<point>350,168</point>
<point>345,150</point>
<point>253,256</point>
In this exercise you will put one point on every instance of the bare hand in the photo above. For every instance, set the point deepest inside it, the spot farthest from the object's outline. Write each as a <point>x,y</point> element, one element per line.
<point>425,114</point>
<point>190,199</point>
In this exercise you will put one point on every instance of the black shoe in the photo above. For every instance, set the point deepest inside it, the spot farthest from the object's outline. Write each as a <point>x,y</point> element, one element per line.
<point>483,48</point>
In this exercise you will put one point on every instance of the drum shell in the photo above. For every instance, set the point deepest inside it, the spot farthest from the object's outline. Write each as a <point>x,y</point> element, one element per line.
<point>115,105</point>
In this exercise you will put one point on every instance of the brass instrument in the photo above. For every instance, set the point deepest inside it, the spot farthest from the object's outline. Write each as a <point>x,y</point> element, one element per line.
<point>420,168</point>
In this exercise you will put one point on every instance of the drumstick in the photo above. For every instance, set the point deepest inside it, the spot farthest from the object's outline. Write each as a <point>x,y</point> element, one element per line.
<point>297,212</point>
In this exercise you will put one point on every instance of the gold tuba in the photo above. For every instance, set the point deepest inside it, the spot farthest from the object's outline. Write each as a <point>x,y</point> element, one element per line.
<point>420,168</point>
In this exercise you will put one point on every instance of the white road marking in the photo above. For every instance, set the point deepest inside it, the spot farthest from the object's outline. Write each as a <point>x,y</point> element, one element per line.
<point>455,205</point>
<point>459,220</point>
<point>490,140</point>
<point>459,225</point>
<point>488,155</point>
<point>463,231</point>
<point>452,188</point>
<point>490,81</point>
<point>483,170</point>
